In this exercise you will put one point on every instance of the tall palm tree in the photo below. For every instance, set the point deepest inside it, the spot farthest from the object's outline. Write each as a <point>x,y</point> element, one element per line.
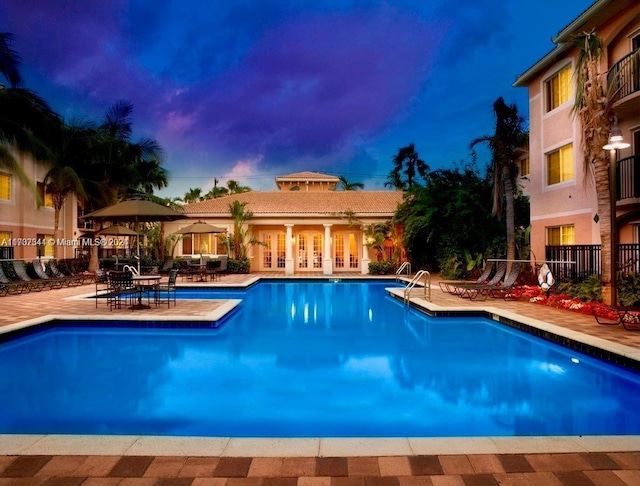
<point>26,120</point>
<point>345,185</point>
<point>509,136</point>
<point>407,163</point>
<point>593,106</point>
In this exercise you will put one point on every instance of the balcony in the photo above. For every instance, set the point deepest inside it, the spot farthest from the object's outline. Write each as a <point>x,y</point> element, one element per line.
<point>628,179</point>
<point>624,77</point>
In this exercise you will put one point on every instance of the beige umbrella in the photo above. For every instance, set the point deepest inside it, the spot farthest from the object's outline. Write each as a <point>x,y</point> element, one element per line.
<point>135,211</point>
<point>117,230</point>
<point>199,228</point>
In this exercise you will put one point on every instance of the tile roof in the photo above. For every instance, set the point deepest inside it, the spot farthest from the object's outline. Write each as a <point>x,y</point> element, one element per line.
<point>309,203</point>
<point>307,175</point>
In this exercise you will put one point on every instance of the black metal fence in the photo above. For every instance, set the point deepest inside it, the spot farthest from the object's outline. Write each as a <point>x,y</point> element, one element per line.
<point>6,252</point>
<point>577,262</point>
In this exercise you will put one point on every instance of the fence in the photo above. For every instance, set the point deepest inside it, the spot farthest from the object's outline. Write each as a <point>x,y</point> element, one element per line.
<point>577,262</point>
<point>6,252</point>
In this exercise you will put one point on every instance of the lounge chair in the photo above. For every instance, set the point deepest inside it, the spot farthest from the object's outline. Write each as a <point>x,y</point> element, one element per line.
<point>70,278</point>
<point>169,288</point>
<point>20,270</point>
<point>166,267</point>
<point>12,286</point>
<point>504,289</point>
<point>449,286</point>
<point>52,282</point>
<point>471,290</point>
<point>607,315</point>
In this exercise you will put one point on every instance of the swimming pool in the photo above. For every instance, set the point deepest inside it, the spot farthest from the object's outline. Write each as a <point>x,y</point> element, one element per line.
<point>310,359</point>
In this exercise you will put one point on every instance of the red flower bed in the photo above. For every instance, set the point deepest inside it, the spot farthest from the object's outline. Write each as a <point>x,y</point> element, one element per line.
<point>535,294</point>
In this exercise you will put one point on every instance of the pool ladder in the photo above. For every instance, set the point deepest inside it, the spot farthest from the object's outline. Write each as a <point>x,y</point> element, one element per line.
<point>406,266</point>
<point>414,281</point>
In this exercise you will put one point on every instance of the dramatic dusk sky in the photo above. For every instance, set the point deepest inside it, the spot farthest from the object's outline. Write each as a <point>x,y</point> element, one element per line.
<point>252,89</point>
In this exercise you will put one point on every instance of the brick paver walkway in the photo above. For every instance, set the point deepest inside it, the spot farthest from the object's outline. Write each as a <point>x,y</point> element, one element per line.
<point>549,469</point>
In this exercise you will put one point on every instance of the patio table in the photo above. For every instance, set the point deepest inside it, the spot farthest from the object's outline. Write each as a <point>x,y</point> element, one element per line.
<point>142,283</point>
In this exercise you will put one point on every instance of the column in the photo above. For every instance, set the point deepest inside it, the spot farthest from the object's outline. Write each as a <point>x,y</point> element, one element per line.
<point>364,262</point>
<point>327,261</point>
<point>288,263</point>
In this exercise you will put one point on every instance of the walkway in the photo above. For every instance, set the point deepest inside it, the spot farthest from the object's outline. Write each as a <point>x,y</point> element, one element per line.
<point>126,461</point>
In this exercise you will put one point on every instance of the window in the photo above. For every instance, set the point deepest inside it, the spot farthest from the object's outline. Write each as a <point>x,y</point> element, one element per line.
<point>45,197</point>
<point>561,235</point>
<point>558,88</point>
<point>525,169</point>
<point>560,165</point>
<point>266,252</point>
<point>5,186</point>
<point>5,238</point>
<point>45,250</point>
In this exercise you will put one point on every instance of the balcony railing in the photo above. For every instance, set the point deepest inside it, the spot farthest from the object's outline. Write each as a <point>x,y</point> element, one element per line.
<point>576,262</point>
<point>628,178</point>
<point>624,76</point>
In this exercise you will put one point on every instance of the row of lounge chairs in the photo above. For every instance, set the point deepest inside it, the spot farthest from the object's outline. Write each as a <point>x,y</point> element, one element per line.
<point>494,282</point>
<point>17,279</point>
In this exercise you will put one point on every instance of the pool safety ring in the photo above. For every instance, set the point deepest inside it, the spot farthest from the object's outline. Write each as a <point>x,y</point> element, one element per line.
<point>545,277</point>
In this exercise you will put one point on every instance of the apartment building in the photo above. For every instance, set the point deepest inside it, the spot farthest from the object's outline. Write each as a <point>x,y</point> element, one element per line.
<point>563,201</point>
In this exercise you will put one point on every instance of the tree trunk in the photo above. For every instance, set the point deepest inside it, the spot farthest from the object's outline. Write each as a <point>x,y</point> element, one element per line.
<point>509,218</point>
<point>601,173</point>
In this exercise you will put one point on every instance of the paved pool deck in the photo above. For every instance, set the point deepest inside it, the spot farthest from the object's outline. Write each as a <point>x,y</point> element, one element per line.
<point>125,460</point>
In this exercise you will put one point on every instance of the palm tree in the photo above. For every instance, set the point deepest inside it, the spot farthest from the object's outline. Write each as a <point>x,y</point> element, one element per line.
<point>406,162</point>
<point>508,138</point>
<point>345,185</point>
<point>26,120</point>
<point>216,191</point>
<point>235,187</point>
<point>194,194</point>
<point>593,106</point>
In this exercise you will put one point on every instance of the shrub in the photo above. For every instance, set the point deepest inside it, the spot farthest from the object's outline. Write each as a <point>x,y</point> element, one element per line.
<point>589,290</point>
<point>380,268</point>
<point>629,290</point>
<point>238,266</point>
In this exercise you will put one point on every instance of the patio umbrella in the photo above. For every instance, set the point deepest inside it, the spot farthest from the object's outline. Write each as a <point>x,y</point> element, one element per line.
<point>135,211</point>
<point>117,230</point>
<point>199,228</point>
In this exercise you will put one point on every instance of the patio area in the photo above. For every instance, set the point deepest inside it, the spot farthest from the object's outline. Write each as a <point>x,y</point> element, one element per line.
<point>53,460</point>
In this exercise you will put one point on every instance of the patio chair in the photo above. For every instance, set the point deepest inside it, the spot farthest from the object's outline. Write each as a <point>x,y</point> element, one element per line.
<point>102,286</point>
<point>20,270</point>
<point>168,288</point>
<point>470,290</point>
<point>608,315</point>
<point>224,260</point>
<point>449,286</point>
<point>120,289</point>
<point>212,269</point>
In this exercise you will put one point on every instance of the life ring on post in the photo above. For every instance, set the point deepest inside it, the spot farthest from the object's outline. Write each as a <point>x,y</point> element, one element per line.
<point>545,277</point>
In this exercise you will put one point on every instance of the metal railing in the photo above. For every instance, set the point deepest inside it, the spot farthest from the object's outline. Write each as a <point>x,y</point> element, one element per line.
<point>628,178</point>
<point>577,262</point>
<point>405,266</point>
<point>414,281</point>
<point>624,76</point>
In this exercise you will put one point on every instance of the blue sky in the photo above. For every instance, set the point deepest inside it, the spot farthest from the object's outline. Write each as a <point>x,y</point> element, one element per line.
<point>252,89</point>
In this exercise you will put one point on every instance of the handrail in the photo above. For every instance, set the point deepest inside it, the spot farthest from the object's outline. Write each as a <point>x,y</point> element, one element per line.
<point>404,265</point>
<point>131,269</point>
<point>414,281</point>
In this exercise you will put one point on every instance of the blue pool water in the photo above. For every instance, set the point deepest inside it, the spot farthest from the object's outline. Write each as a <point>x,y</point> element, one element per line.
<point>310,359</point>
